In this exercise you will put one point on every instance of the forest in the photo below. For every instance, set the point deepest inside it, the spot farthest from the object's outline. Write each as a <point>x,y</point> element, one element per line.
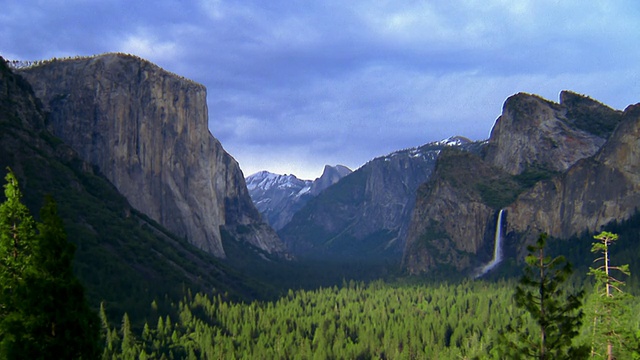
<point>554,311</point>
<point>357,321</point>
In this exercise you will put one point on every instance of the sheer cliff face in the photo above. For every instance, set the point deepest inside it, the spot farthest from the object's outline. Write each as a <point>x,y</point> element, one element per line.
<point>535,132</point>
<point>592,193</point>
<point>330,175</point>
<point>449,220</point>
<point>556,167</point>
<point>146,130</point>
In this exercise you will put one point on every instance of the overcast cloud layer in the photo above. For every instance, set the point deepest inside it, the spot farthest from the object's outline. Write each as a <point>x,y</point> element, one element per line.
<point>294,85</point>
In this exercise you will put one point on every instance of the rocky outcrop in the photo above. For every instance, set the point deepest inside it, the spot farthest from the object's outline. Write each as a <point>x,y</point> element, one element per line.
<point>146,130</point>
<point>557,168</point>
<point>534,132</point>
<point>330,175</point>
<point>591,194</point>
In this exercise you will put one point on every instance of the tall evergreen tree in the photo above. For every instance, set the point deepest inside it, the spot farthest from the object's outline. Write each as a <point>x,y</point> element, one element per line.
<point>558,317</point>
<point>609,304</point>
<point>44,312</point>
<point>17,234</point>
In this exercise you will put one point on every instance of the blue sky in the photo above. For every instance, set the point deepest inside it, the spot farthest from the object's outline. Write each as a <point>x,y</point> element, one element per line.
<point>294,85</point>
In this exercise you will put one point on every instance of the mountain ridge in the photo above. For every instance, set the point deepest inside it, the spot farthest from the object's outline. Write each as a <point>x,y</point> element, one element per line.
<point>365,215</point>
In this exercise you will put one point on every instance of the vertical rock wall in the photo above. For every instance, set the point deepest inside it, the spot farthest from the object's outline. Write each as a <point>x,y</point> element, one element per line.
<point>146,130</point>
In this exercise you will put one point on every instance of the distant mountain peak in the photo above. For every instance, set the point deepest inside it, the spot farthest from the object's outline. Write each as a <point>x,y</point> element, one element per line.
<point>277,197</point>
<point>265,180</point>
<point>454,141</point>
<point>330,175</point>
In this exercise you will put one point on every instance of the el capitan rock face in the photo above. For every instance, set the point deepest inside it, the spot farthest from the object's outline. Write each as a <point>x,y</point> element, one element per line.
<point>146,131</point>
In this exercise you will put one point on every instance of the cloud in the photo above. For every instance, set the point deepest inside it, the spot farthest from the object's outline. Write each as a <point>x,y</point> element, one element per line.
<point>296,85</point>
<point>146,45</point>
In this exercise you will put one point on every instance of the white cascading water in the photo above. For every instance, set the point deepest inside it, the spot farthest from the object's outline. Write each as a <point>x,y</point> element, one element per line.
<point>497,249</point>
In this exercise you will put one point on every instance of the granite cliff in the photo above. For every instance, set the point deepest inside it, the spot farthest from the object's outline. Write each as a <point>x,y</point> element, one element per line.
<point>122,257</point>
<point>330,175</point>
<point>592,193</point>
<point>534,132</point>
<point>449,222</point>
<point>541,163</point>
<point>146,130</point>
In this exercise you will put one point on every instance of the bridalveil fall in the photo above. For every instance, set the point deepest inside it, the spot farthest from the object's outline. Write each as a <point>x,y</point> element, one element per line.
<point>497,249</point>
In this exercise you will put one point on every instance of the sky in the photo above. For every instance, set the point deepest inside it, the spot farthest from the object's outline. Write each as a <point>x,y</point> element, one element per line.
<point>295,85</point>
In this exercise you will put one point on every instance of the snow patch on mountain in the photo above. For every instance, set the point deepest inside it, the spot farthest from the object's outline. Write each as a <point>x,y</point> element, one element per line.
<point>278,197</point>
<point>264,181</point>
<point>429,151</point>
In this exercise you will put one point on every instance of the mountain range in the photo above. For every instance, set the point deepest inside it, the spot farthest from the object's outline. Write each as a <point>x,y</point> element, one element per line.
<point>560,168</point>
<point>366,214</point>
<point>153,201</point>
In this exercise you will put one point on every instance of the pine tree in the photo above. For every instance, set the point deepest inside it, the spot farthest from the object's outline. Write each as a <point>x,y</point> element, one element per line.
<point>70,328</point>
<point>558,317</point>
<point>17,234</point>
<point>44,313</point>
<point>609,306</point>
<point>129,347</point>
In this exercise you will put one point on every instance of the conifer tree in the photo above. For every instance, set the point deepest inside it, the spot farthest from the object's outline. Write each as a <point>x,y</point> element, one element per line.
<point>44,313</point>
<point>609,307</point>
<point>17,234</point>
<point>69,327</point>
<point>558,317</point>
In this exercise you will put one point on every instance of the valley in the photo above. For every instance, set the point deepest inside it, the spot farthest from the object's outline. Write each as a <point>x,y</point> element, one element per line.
<point>415,254</point>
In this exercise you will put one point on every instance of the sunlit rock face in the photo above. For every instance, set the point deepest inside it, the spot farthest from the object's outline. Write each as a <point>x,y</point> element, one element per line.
<point>146,130</point>
<point>534,132</point>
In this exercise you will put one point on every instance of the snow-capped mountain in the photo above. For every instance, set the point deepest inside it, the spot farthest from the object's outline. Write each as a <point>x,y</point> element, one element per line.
<point>278,197</point>
<point>264,181</point>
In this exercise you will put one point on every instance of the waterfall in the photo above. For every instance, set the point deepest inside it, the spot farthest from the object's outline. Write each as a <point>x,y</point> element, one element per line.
<point>497,248</point>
